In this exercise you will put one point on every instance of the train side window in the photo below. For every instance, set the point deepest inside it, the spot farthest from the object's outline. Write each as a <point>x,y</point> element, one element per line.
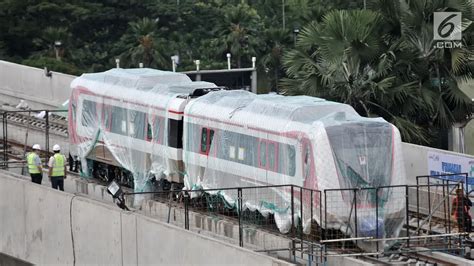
<point>306,161</point>
<point>291,161</point>
<point>175,133</point>
<point>263,154</point>
<point>156,131</point>
<point>241,155</point>
<point>89,112</point>
<point>211,137</point>
<point>137,124</point>
<point>272,147</point>
<point>286,159</point>
<point>119,121</point>
<point>73,108</point>
<point>204,140</point>
<point>149,133</point>
<point>232,152</point>
<point>106,116</point>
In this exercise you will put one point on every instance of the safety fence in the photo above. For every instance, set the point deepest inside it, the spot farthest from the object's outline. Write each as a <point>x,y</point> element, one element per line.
<point>313,225</point>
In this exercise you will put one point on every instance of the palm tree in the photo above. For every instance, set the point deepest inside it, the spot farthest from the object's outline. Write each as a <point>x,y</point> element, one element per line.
<point>277,40</point>
<point>382,63</point>
<point>143,45</point>
<point>437,72</point>
<point>239,31</point>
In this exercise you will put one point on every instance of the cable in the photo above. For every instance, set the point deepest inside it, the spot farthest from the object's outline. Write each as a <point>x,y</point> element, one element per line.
<point>72,233</point>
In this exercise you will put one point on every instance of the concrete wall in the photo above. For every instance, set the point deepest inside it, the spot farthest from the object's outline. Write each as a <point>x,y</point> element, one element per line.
<point>416,160</point>
<point>29,83</point>
<point>45,226</point>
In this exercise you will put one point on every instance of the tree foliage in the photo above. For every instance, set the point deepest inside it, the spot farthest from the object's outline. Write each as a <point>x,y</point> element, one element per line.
<point>384,62</point>
<point>380,60</point>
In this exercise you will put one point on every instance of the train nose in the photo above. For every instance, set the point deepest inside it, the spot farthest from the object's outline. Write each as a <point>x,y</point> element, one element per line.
<point>369,226</point>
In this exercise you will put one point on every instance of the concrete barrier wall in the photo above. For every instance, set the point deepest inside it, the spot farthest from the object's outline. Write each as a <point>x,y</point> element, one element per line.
<point>31,84</point>
<point>45,226</point>
<point>416,160</point>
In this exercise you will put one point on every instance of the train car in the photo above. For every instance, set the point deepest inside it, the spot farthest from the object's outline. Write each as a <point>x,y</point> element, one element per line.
<point>239,139</point>
<point>139,125</point>
<point>126,124</point>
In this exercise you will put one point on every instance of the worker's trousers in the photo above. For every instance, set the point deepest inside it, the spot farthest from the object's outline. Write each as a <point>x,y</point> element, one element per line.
<point>57,182</point>
<point>36,178</point>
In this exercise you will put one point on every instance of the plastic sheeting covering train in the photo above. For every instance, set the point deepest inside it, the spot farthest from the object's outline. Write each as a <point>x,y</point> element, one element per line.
<point>152,124</point>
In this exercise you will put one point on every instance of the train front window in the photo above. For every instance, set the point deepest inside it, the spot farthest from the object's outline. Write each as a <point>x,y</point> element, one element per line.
<point>362,152</point>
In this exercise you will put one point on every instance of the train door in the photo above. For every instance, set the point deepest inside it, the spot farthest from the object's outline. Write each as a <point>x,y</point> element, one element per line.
<point>207,136</point>
<point>205,147</point>
<point>267,158</point>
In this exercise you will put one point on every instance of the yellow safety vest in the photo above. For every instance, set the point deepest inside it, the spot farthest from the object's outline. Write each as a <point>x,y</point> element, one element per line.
<point>32,167</point>
<point>58,168</point>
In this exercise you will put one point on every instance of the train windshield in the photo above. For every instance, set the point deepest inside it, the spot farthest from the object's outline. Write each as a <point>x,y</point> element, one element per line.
<point>363,153</point>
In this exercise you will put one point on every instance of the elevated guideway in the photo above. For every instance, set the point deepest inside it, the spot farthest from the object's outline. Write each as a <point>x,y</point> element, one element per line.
<point>37,220</point>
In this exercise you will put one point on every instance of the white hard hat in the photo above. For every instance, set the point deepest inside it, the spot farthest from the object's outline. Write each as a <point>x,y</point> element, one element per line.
<point>36,147</point>
<point>56,147</point>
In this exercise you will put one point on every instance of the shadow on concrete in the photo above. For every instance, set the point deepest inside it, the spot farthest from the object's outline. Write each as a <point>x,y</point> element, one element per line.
<point>6,260</point>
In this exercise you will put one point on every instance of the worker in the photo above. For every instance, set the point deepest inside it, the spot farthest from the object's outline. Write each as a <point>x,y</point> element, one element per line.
<point>34,165</point>
<point>57,168</point>
<point>460,211</point>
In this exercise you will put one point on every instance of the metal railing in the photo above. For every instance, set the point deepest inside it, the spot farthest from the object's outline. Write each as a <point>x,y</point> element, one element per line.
<point>302,221</point>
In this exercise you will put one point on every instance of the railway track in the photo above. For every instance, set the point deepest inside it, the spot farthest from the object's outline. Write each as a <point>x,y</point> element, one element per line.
<point>57,124</point>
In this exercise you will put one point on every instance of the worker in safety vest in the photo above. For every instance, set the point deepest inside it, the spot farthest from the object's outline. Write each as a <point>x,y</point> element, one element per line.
<point>460,211</point>
<point>57,168</point>
<point>34,165</point>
